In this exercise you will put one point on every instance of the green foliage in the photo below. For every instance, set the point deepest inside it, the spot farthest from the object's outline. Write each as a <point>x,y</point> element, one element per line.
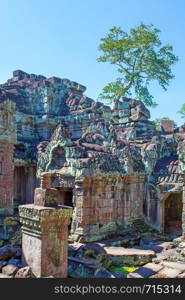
<point>182,111</point>
<point>123,269</point>
<point>140,58</point>
<point>146,233</point>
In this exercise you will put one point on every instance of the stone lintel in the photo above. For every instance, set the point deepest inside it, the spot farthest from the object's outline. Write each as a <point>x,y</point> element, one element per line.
<point>42,219</point>
<point>117,179</point>
<point>57,180</point>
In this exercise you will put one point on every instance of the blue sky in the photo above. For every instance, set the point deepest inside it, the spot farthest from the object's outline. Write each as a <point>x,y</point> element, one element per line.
<point>61,38</point>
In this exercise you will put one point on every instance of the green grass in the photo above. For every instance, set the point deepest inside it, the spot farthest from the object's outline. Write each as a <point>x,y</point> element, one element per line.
<point>123,269</point>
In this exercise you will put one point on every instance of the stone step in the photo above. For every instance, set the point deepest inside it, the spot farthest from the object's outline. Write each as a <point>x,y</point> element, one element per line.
<point>129,256</point>
<point>129,239</point>
<point>164,255</point>
<point>169,272</point>
<point>117,251</point>
<point>182,275</point>
<point>174,265</point>
<point>4,276</point>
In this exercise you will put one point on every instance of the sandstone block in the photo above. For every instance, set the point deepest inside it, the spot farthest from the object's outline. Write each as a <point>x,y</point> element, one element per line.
<point>174,265</point>
<point>169,272</point>
<point>5,276</point>
<point>9,270</point>
<point>46,197</point>
<point>24,273</point>
<point>129,256</point>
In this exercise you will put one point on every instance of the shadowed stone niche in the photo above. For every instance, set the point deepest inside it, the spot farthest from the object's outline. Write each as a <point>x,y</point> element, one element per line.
<point>44,239</point>
<point>173,214</point>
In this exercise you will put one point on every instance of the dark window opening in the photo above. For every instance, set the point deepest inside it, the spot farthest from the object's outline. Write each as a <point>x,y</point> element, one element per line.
<point>68,201</point>
<point>68,198</point>
<point>24,185</point>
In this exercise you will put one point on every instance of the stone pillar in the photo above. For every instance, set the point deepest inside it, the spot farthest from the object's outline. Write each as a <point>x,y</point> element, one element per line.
<point>77,228</point>
<point>44,239</point>
<point>183,210</point>
<point>7,141</point>
<point>6,178</point>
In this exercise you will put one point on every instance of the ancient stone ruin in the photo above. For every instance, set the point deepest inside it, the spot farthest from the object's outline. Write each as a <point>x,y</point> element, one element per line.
<point>60,148</point>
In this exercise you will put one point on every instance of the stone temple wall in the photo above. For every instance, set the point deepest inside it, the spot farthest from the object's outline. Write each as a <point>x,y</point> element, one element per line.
<point>7,141</point>
<point>63,132</point>
<point>105,203</point>
<point>102,204</point>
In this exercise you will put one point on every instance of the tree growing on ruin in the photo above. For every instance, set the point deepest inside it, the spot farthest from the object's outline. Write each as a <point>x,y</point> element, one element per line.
<point>140,58</point>
<point>182,111</point>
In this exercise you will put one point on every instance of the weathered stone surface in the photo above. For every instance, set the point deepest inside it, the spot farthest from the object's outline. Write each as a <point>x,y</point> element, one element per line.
<point>169,272</point>
<point>44,241</point>
<point>155,243</point>
<point>153,267</point>
<point>165,255</point>
<point>82,268</point>
<point>114,164</point>
<point>94,248</point>
<point>16,238</point>
<point>9,270</point>
<point>182,275</point>
<point>167,125</point>
<point>24,273</point>
<point>127,240</point>
<point>95,254</point>
<point>174,265</point>
<point>46,197</point>
<point>5,276</point>
<point>11,221</point>
<point>6,252</point>
<point>129,256</point>
<point>7,140</point>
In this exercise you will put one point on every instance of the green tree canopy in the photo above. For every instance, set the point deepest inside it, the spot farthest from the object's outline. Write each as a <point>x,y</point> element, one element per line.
<point>182,111</point>
<point>140,58</point>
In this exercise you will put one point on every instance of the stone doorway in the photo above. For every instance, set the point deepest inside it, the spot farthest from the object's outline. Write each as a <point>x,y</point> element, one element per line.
<point>66,198</point>
<point>173,214</point>
<point>24,184</point>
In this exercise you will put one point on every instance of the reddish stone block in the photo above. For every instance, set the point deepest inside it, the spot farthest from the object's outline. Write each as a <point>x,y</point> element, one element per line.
<point>167,125</point>
<point>44,239</point>
<point>46,197</point>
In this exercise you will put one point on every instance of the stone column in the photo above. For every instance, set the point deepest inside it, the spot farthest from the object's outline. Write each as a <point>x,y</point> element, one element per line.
<point>44,239</point>
<point>183,210</point>
<point>7,141</point>
<point>77,228</point>
<point>6,178</point>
